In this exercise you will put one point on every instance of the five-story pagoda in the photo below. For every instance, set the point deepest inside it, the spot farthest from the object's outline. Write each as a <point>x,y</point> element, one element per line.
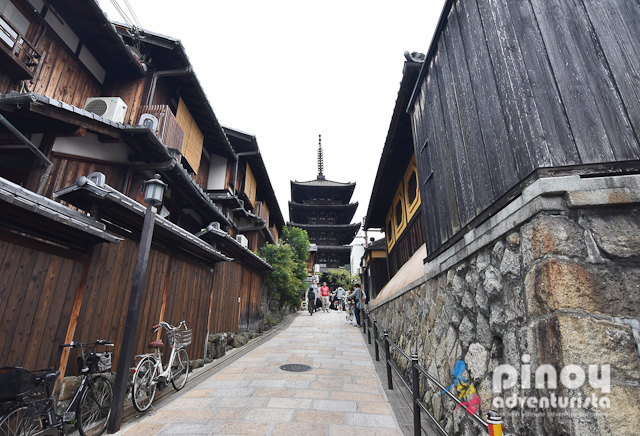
<point>322,208</point>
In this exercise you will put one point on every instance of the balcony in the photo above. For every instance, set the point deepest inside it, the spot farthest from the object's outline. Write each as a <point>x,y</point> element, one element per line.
<point>169,131</point>
<point>20,58</point>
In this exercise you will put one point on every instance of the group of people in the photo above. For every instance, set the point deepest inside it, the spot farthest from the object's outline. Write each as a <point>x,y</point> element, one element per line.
<point>322,299</point>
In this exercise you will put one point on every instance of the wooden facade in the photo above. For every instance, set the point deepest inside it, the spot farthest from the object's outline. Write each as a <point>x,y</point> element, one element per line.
<point>56,286</point>
<point>510,87</point>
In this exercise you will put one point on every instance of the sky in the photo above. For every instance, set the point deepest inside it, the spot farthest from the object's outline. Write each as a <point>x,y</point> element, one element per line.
<point>288,71</point>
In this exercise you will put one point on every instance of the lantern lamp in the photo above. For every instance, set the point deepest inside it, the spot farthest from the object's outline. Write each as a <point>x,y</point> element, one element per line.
<point>154,190</point>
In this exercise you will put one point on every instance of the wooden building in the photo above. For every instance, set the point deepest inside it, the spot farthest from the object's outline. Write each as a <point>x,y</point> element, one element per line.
<point>89,111</point>
<point>322,208</point>
<point>395,206</point>
<point>512,91</point>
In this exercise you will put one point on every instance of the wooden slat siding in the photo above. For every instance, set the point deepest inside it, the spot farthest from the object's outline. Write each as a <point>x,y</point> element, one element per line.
<point>496,141</point>
<point>26,309</point>
<point>578,74</point>
<point>457,172</point>
<point>256,301</point>
<point>245,300</point>
<point>468,118</point>
<point>526,139</point>
<point>614,27</point>
<point>202,176</point>
<point>66,170</point>
<point>167,281</point>
<point>17,284</point>
<point>153,293</point>
<point>130,91</point>
<point>408,243</point>
<point>228,276</point>
<point>169,131</point>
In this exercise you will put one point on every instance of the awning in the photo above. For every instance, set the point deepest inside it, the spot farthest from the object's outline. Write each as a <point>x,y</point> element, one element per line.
<point>122,214</point>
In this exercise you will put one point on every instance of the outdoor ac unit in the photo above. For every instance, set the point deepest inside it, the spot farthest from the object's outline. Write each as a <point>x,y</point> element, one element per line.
<point>242,239</point>
<point>149,121</point>
<point>111,108</point>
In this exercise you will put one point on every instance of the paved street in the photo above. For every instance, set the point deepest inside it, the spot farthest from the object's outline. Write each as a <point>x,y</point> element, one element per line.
<point>341,395</point>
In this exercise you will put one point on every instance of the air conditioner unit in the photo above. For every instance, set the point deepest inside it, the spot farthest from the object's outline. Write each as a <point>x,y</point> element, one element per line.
<point>111,108</point>
<point>242,239</point>
<point>149,121</point>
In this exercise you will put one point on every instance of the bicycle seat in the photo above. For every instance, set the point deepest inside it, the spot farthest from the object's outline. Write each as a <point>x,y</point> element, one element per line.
<point>156,344</point>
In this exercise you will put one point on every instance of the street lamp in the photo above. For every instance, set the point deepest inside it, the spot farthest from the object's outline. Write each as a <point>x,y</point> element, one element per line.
<point>153,193</point>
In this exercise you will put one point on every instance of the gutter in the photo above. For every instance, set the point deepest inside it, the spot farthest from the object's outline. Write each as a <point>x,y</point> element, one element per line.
<point>235,176</point>
<point>36,150</point>
<point>165,73</point>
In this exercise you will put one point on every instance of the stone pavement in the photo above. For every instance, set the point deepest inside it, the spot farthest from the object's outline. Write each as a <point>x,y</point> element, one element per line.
<point>341,396</point>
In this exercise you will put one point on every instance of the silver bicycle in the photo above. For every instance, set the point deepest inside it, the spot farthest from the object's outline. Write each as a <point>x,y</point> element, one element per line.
<point>149,374</point>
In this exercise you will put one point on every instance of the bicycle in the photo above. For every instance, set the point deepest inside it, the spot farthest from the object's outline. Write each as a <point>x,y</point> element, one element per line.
<point>30,409</point>
<point>149,374</point>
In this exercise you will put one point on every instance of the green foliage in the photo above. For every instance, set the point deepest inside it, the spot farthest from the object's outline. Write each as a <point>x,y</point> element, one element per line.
<point>289,265</point>
<point>340,277</point>
<point>299,242</point>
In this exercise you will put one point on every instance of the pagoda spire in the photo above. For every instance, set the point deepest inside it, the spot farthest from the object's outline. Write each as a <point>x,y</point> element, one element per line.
<point>320,159</point>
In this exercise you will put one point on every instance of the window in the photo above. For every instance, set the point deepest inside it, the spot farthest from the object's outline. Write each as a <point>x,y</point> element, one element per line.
<point>412,189</point>
<point>391,240</point>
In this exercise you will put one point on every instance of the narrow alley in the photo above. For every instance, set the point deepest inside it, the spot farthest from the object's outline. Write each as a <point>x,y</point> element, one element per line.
<point>341,395</point>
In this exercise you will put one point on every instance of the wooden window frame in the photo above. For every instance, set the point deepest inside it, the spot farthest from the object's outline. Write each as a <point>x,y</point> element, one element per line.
<point>391,239</point>
<point>412,208</point>
<point>399,198</point>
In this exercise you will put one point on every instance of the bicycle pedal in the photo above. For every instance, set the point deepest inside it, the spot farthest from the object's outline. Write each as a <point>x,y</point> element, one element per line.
<point>69,417</point>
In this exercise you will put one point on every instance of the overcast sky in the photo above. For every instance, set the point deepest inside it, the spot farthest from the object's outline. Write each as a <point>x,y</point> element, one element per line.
<point>287,71</point>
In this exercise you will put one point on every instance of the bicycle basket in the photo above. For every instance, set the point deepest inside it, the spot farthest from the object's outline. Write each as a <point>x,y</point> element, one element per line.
<point>181,338</point>
<point>15,382</point>
<point>95,362</point>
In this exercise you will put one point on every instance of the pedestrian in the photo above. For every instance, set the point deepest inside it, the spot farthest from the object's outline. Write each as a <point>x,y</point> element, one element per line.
<point>324,292</point>
<point>339,295</point>
<point>312,295</point>
<point>357,296</point>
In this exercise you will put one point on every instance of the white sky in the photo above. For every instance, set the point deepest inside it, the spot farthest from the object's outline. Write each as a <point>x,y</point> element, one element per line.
<point>286,71</point>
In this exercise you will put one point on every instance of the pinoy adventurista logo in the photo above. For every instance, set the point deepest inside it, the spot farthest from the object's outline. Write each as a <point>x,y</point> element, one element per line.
<point>547,380</point>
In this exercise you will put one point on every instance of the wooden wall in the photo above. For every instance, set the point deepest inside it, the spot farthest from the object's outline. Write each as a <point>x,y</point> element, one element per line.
<point>233,281</point>
<point>515,86</point>
<point>407,244</point>
<point>37,293</point>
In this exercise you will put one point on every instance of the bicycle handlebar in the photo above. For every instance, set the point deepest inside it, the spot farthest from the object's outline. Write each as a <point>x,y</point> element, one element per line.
<point>168,326</point>
<point>75,344</point>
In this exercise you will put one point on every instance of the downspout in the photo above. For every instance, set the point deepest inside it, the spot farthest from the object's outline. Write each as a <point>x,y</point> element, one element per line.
<point>36,150</point>
<point>45,26</point>
<point>156,74</point>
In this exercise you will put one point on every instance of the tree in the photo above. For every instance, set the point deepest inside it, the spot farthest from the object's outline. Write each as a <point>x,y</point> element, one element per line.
<point>340,277</point>
<point>289,262</point>
<point>299,242</point>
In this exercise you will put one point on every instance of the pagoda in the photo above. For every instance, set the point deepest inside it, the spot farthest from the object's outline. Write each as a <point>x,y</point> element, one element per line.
<point>322,208</point>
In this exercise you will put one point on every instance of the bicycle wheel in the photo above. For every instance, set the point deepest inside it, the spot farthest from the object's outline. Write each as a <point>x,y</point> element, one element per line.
<point>21,421</point>
<point>143,384</point>
<point>180,369</point>
<point>94,407</point>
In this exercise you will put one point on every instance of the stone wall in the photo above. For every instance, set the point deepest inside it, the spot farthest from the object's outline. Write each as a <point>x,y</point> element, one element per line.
<point>554,280</point>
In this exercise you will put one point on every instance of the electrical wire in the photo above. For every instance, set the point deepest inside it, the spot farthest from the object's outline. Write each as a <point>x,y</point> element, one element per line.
<point>133,13</point>
<point>122,13</point>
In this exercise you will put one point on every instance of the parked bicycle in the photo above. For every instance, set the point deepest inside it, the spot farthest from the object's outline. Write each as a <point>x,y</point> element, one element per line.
<point>30,409</point>
<point>149,374</point>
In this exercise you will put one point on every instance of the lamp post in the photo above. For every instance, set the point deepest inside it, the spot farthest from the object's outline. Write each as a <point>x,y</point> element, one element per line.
<point>153,193</point>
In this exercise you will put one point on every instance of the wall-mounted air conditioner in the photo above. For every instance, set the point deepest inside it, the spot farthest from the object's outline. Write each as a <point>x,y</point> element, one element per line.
<point>149,121</point>
<point>242,239</point>
<point>111,108</point>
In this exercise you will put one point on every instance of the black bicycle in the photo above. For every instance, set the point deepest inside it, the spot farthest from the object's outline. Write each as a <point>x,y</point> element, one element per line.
<point>29,409</point>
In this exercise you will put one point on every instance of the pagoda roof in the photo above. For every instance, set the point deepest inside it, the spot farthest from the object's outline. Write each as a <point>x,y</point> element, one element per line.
<point>345,212</point>
<point>343,191</point>
<point>344,232</point>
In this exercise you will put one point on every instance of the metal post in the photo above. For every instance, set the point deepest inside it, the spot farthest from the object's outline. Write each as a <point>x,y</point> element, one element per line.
<point>130,330</point>
<point>494,421</point>
<point>364,320</point>
<point>369,329</point>
<point>416,394</point>
<point>388,358</point>
<point>375,339</point>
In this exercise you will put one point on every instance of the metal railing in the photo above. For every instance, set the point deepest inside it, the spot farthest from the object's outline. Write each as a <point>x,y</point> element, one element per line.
<point>416,370</point>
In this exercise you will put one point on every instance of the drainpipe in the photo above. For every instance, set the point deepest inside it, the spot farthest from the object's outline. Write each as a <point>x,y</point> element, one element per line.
<point>156,74</point>
<point>45,26</point>
<point>36,150</point>
<point>235,176</point>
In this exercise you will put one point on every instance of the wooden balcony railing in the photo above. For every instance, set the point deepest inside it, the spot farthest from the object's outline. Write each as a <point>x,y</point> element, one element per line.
<point>169,131</point>
<point>23,58</point>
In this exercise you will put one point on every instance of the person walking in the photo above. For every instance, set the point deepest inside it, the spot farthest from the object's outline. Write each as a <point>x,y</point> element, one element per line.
<point>312,295</point>
<point>324,292</point>
<point>357,296</point>
<point>339,296</point>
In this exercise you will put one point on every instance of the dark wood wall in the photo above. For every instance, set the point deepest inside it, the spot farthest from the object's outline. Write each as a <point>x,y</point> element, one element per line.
<point>519,85</point>
<point>407,244</point>
<point>233,281</point>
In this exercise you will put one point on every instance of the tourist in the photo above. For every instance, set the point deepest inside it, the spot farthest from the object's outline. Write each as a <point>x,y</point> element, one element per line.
<point>357,296</point>
<point>339,295</point>
<point>324,292</point>
<point>312,295</point>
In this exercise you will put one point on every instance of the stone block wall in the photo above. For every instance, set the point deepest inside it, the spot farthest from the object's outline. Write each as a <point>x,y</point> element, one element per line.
<point>557,285</point>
